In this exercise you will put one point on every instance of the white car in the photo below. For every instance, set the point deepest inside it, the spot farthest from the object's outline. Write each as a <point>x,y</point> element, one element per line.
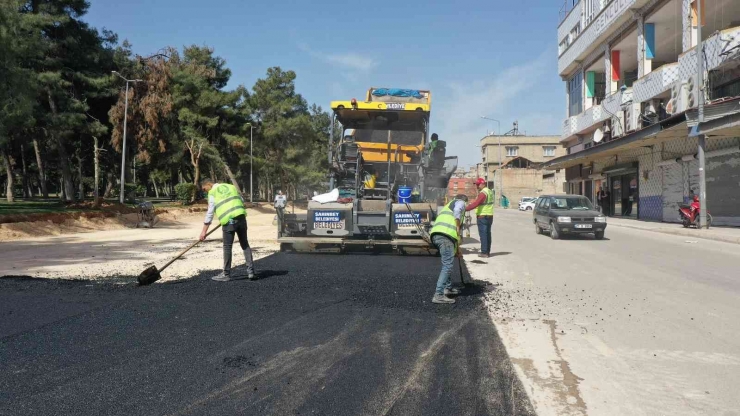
<point>527,204</point>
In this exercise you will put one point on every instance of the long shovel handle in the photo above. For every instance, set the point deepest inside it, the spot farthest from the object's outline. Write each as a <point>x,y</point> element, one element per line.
<point>188,248</point>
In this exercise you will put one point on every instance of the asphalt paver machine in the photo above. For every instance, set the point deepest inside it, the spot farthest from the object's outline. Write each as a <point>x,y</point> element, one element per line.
<point>391,180</point>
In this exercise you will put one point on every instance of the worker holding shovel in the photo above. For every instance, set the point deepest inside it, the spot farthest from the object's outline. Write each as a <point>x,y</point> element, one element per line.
<point>446,236</point>
<point>227,205</point>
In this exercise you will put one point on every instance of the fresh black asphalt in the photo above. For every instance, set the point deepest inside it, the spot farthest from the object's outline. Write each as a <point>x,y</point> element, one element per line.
<point>317,334</point>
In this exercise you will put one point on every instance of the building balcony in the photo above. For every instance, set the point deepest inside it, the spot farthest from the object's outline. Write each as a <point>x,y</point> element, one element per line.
<point>656,83</point>
<point>589,120</point>
<point>585,27</point>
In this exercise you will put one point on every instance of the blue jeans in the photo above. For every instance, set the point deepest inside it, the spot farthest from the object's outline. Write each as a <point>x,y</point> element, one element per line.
<point>447,251</point>
<point>484,232</point>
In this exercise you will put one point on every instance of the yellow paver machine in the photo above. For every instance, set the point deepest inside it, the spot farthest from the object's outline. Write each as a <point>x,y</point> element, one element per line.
<point>390,179</point>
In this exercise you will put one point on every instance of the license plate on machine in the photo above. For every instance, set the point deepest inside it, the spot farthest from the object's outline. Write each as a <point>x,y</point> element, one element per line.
<point>584,226</point>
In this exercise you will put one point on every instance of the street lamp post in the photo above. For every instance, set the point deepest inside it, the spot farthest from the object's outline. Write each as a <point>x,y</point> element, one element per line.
<point>251,163</point>
<point>500,159</point>
<point>123,149</point>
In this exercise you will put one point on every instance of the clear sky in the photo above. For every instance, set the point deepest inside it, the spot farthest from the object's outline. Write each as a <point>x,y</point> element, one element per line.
<point>494,58</point>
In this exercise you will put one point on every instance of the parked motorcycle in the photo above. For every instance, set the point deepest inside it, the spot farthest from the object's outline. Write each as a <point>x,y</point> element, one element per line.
<point>689,214</point>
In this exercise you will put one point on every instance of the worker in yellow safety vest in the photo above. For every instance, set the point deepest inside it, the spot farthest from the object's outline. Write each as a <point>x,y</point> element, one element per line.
<point>483,206</point>
<point>227,205</point>
<point>446,236</point>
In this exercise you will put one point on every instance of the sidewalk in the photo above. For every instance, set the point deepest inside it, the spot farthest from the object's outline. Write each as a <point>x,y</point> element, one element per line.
<point>725,234</point>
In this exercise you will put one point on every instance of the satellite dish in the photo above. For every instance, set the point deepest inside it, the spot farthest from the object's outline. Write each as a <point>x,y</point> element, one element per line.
<point>598,135</point>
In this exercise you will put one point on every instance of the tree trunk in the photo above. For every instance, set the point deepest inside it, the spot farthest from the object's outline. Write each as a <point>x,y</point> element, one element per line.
<point>195,161</point>
<point>9,171</point>
<point>40,164</point>
<point>196,173</point>
<point>109,185</point>
<point>79,178</point>
<point>96,179</point>
<point>63,192</point>
<point>24,177</point>
<point>213,173</point>
<point>63,157</point>
<point>231,176</point>
<point>156,190</point>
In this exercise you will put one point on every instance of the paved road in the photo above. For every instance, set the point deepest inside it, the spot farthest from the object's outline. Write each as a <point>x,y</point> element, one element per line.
<point>640,323</point>
<point>330,335</point>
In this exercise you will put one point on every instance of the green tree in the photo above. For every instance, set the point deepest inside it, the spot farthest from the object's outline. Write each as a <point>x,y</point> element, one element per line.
<point>70,71</point>
<point>198,98</point>
<point>16,86</point>
<point>285,127</point>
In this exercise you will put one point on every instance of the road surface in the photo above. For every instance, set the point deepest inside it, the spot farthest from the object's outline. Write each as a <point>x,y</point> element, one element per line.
<point>640,323</point>
<point>329,335</point>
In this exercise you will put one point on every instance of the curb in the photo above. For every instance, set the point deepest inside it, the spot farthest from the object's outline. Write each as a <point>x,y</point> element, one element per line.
<point>684,233</point>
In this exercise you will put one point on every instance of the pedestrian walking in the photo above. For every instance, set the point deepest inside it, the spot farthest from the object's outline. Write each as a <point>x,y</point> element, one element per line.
<point>603,197</point>
<point>446,236</point>
<point>483,206</point>
<point>280,203</point>
<point>227,205</point>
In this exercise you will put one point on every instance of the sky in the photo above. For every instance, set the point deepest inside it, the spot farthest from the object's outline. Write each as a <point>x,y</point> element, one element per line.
<point>479,58</point>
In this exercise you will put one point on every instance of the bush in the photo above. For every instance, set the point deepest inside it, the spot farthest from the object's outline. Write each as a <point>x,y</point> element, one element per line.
<point>134,190</point>
<point>185,192</point>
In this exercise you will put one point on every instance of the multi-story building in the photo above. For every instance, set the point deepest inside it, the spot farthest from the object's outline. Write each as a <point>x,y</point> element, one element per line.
<point>465,186</point>
<point>513,161</point>
<point>630,72</point>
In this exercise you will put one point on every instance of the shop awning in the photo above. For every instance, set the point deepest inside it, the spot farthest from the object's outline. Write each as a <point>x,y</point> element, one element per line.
<point>721,119</point>
<point>668,129</point>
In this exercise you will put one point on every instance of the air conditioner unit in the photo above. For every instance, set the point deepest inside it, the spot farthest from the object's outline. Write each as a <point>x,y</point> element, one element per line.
<point>692,93</point>
<point>618,127</point>
<point>631,117</point>
<point>672,107</point>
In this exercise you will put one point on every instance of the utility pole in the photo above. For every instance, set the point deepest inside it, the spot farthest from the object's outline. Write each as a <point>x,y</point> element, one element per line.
<point>500,160</point>
<point>697,129</point>
<point>123,150</point>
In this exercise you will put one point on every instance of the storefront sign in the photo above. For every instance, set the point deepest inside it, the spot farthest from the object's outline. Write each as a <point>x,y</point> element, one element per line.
<point>611,13</point>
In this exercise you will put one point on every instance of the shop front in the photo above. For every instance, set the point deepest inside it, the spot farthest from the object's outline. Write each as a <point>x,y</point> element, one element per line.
<point>623,186</point>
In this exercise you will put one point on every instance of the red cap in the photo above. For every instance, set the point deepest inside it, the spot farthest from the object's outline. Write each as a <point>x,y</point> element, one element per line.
<point>480,181</point>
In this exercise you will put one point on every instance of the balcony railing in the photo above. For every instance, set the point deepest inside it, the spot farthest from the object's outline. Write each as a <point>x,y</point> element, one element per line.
<point>609,107</point>
<point>656,82</point>
<point>566,8</point>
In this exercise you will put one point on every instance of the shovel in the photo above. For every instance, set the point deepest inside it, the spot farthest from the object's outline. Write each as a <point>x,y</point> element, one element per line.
<point>152,274</point>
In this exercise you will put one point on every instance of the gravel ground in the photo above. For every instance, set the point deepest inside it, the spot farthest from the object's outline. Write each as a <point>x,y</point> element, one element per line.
<point>330,335</point>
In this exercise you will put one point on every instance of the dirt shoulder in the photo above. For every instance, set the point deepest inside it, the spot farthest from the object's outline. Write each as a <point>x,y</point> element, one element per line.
<point>123,251</point>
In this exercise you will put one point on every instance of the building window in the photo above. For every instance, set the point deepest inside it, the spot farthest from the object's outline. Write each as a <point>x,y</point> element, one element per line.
<point>599,87</point>
<point>512,151</point>
<point>454,186</point>
<point>575,94</point>
<point>548,150</point>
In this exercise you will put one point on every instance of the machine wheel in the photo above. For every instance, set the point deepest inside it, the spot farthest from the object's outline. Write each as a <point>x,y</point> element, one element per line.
<point>686,223</point>
<point>599,235</point>
<point>554,232</point>
<point>529,208</point>
<point>537,228</point>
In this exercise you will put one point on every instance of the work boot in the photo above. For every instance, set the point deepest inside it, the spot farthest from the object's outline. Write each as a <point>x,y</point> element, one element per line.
<point>249,263</point>
<point>442,299</point>
<point>452,291</point>
<point>221,278</point>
